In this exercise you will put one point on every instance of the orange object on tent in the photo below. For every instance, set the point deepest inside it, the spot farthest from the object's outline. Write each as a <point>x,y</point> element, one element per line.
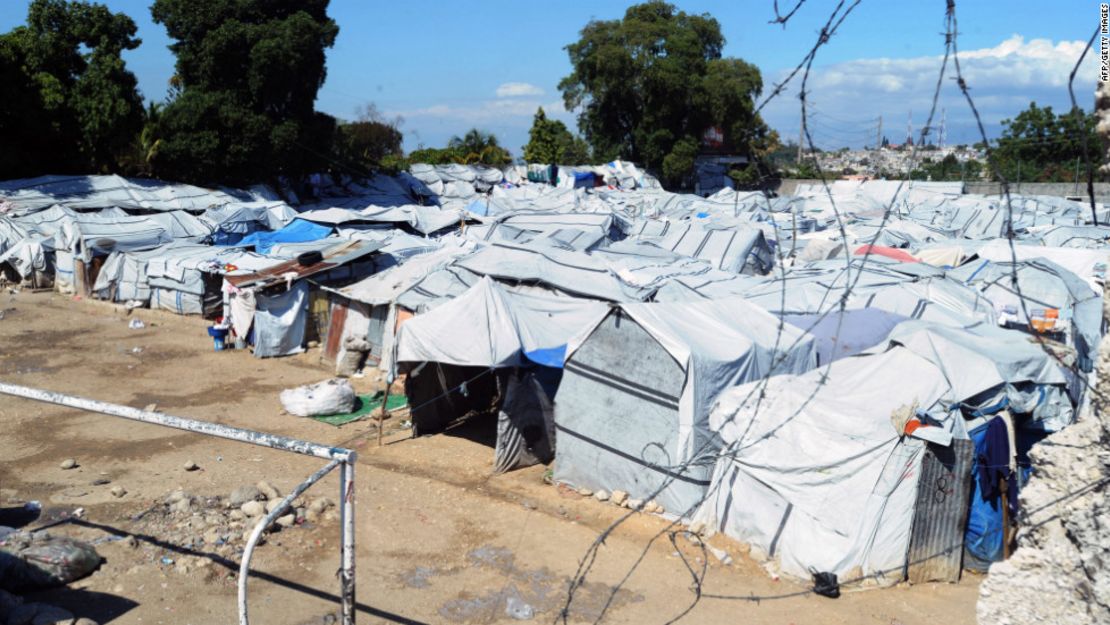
<point>889,252</point>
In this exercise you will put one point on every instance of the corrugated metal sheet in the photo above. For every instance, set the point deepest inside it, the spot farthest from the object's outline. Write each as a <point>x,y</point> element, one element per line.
<point>937,541</point>
<point>334,256</point>
<point>335,330</point>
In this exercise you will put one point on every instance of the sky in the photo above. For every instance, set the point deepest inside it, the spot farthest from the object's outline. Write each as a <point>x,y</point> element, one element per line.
<point>444,67</point>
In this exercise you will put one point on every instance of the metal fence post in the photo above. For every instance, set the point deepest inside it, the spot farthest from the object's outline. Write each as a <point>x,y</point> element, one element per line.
<point>347,557</point>
<point>268,520</point>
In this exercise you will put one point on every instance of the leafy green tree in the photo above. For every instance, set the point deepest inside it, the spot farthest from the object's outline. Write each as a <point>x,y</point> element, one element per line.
<point>648,86</point>
<point>70,105</point>
<point>948,169</point>
<point>144,146</point>
<point>247,74</point>
<point>479,147</point>
<point>549,141</point>
<point>807,169</point>
<point>1038,145</point>
<point>362,146</point>
<point>436,156</point>
<point>678,164</point>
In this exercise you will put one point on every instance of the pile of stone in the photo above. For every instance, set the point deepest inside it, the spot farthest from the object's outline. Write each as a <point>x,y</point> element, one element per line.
<point>222,525</point>
<point>621,499</point>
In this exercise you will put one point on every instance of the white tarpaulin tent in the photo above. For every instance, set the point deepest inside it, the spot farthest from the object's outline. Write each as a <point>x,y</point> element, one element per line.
<point>813,473</point>
<point>638,387</point>
<point>94,192</point>
<point>490,327</point>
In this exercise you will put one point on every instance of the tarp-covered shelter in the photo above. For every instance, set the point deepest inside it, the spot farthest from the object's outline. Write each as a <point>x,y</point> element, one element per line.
<point>507,350</point>
<point>637,388</point>
<point>816,473</point>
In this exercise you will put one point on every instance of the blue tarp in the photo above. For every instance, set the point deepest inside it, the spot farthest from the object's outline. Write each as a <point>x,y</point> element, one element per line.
<point>298,231</point>
<point>479,207</point>
<point>840,335</point>
<point>584,179</point>
<point>983,538</point>
<point>549,356</point>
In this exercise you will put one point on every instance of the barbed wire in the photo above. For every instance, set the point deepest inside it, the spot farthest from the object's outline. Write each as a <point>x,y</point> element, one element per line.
<point>700,458</point>
<point>783,19</point>
<point>1082,126</point>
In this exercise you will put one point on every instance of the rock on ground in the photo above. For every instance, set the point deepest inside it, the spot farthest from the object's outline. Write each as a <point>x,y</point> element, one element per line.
<point>253,509</point>
<point>243,494</point>
<point>268,491</point>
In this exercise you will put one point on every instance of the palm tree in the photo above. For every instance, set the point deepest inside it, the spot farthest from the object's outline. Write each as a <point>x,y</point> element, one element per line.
<point>478,146</point>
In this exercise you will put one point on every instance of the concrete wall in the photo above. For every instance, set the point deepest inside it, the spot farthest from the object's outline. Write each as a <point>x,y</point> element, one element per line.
<point>1057,189</point>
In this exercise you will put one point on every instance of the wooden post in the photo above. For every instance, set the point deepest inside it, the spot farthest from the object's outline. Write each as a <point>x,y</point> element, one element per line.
<point>381,417</point>
<point>1005,520</point>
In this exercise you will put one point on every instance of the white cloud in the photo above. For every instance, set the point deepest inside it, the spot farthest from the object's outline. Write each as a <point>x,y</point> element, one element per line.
<point>509,118</point>
<point>518,90</point>
<point>1002,79</point>
<point>501,111</point>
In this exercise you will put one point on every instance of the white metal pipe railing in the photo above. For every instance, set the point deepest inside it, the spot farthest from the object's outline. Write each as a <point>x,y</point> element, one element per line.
<point>347,557</point>
<point>338,456</point>
<point>263,439</point>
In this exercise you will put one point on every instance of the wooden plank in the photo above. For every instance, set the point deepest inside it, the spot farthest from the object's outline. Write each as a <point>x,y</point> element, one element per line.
<point>940,517</point>
<point>335,330</point>
<point>80,278</point>
<point>319,313</point>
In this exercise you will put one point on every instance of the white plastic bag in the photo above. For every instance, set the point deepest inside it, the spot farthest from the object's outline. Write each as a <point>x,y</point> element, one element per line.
<point>329,397</point>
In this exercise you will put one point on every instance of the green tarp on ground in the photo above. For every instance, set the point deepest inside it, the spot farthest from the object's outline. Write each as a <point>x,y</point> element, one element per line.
<point>366,404</point>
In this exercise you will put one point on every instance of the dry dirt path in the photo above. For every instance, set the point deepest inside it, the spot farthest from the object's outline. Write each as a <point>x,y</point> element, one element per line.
<point>440,540</point>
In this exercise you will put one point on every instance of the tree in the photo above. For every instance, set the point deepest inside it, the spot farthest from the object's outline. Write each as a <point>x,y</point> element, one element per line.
<point>479,147</point>
<point>435,156</point>
<point>144,146</point>
<point>70,105</point>
<point>247,75</point>
<point>678,164</point>
<point>368,143</point>
<point>949,168</point>
<point>649,86</point>
<point>1038,145</point>
<point>549,141</point>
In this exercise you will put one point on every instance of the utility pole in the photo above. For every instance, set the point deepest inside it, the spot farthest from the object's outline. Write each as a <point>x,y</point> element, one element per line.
<point>877,166</point>
<point>943,130</point>
<point>801,136</point>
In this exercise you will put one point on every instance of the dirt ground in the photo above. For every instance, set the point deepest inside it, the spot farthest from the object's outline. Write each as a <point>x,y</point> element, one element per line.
<point>439,539</point>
